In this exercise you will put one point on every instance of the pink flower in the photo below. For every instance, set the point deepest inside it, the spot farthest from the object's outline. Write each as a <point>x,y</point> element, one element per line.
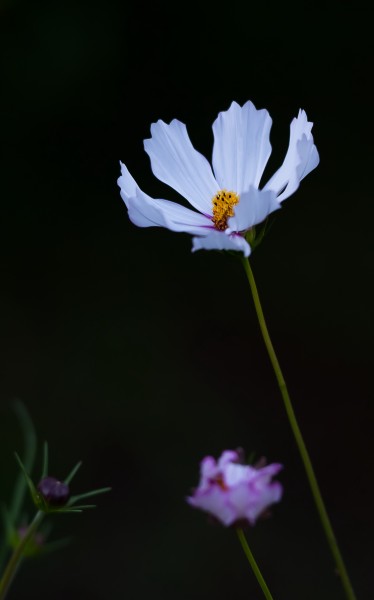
<point>233,492</point>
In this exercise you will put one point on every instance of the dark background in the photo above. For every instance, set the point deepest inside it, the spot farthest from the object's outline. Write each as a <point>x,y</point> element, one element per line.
<point>139,357</point>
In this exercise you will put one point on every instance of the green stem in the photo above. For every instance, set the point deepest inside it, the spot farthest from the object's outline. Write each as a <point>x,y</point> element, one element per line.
<point>16,557</point>
<point>326,524</point>
<point>252,562</point>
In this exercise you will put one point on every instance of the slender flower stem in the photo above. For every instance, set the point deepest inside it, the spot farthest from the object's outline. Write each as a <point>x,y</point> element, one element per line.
<point>16,557</point>
<point>252,562</point>
<point>299,439</point>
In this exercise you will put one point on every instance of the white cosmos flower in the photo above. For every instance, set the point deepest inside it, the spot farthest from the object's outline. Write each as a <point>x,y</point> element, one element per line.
<point>230,201</point>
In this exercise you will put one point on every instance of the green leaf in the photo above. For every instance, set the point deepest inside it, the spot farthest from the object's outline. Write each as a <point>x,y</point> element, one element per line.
<point>83,506</point>
<point>66,510</point>
<point>29,481</point>
<point>29,454</point>
<point>8,525</point>
<point>74,499</point>
<point>55,545</point>
<point>45,461</point>
<point>73,472</point>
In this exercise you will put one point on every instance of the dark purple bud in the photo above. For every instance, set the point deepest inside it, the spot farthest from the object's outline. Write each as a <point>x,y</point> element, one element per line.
<point>54,492</point>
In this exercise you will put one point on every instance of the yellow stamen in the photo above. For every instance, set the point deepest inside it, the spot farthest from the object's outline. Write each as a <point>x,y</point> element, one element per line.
<point>223,208</point>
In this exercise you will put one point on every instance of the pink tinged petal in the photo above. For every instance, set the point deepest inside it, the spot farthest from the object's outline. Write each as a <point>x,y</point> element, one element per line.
<point>262,478</point>
<point>215,502</point>
<point>253,207</point>
<point>261,500</point>
<point>270,470</point>
<point>256,492</point>
<point>241,146</point>
<point>208,467</point>
<point>243,501</point>
<point>276,491</point>
<point>208,471</point>
<point>227,457</point>
<point>263,492</point>
<point>175,161</point>
<point>219,240</point>
<point>253,492</point>
<point>301,158</point>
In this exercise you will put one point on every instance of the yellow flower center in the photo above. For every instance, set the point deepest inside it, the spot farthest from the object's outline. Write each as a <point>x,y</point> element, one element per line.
<point>223,208</point>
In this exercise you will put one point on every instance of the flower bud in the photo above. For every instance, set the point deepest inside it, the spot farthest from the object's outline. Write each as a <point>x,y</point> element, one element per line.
<point>54,492</point>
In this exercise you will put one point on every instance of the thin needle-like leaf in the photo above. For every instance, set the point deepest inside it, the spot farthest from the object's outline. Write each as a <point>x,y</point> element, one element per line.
<point>29,453</point>
<point>74,499</point>
<point>8,525</point>
<point>55,545</point>
<point>28,479</point>
<point>45,461</point>
<point>83,506</point>
<point>73,472</point>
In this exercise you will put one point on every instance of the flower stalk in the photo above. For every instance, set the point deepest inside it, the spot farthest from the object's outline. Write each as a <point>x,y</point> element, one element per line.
<point>17,555</point>
<point>325,520</point>
<point>252,562</point>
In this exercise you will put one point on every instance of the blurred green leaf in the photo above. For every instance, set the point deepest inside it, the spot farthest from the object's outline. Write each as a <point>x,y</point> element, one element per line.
<point>28,479</point>
<point>29,453</point>
<point>74,499</point>
<point>73,472</point>
<point>45,461</point>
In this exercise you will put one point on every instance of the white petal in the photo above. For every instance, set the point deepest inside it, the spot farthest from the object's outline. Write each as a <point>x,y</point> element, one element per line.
<point>301,158</point>
<point>219,240</point>
<point>145,211</point>
<point>175,161</point>
<point>241,146</point>
<point>127,184</point>
<point>142,211</point>
<point>254,206</point>
<point>184,219</point>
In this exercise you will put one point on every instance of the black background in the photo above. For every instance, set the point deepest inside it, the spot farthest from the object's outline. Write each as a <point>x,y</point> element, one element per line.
<point>139,357</point>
